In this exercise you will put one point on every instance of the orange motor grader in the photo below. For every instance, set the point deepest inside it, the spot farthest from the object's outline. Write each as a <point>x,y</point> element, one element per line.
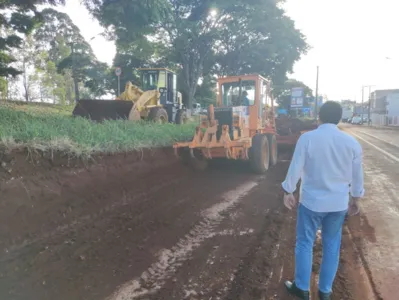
<point>240,127</point>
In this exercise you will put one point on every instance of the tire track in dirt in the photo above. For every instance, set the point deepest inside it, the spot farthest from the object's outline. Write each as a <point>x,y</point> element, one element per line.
<point>82,221</point>
<point>122,244</point>
<point>169,260</point>
<point>210,271</point>
<point>252,279</point>
<point>364,287</point>
<point>66,194</point>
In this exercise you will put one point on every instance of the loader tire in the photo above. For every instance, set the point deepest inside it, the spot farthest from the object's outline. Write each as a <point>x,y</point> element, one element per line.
<point>273,149</point>
<point>259,155</point>
<point>158,115</point>
<point>181,117</point>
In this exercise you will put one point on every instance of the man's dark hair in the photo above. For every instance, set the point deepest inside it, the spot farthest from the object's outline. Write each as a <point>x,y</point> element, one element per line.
<point>330,112</point>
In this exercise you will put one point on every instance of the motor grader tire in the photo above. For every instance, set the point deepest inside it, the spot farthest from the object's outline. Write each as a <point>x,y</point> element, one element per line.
<point>273,149</point>
<point>259,157</point>
<point>181,117</point>
<point>158,115</point>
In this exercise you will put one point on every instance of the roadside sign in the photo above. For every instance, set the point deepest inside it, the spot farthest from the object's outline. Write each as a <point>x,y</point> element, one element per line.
<point>320,101</point>
<point>282,111</point>
<point>118,71</point>
<point>297,97</point>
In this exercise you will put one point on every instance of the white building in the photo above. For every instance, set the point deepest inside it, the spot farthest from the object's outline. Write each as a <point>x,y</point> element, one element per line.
<point>393,109</point>
<point>385,108</point>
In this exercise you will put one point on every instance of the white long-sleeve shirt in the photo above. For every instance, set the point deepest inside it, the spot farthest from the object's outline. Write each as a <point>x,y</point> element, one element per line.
<point>329,164</point>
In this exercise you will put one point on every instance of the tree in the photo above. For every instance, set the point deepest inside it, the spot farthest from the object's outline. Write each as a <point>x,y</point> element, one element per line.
<point>55,86</point>
<point>21,17</point>
<point>71,53</point>
<point>59,87</point>
<point>13,88</point>
<point>25,59</point>
<point>201,38</point>
<point>85,68</point>
<point>3,89</point>
<point>282,93</point>
<point>96,78</point>
<point>261,39</point>
<point>206,91</point>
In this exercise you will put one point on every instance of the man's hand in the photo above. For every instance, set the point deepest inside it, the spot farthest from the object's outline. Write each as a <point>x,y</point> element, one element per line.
<point>289,201</point>
<point>353,209</point>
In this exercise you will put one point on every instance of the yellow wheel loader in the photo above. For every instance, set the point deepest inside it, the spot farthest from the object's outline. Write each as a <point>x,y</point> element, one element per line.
<point>157,100</point>
<point>240,127</point>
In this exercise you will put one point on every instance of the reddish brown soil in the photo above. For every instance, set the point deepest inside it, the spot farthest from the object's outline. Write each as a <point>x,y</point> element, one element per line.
<point>71,230</point>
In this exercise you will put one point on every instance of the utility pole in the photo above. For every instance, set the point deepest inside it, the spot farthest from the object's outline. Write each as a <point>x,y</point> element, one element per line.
<point>317,94</point>
<point>369,102</point>
<point>369,108</point>
<point>361,114</point>
<point>118,73</point>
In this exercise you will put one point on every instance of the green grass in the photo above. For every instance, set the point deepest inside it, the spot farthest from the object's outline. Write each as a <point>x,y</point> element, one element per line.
<point>49,130</point>
<point>37,108</point>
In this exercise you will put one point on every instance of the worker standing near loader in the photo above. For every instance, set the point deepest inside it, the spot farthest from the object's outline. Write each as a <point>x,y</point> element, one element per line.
<point>329,163</point>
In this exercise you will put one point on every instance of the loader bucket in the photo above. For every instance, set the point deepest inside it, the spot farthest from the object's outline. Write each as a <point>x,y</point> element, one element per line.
<point>100,110</point>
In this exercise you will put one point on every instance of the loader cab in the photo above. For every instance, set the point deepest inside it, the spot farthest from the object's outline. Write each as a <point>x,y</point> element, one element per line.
<point>163,80</point>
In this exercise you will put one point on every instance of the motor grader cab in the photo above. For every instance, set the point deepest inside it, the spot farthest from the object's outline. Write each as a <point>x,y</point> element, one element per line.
<point>157,100</point>
<point>240,127</point>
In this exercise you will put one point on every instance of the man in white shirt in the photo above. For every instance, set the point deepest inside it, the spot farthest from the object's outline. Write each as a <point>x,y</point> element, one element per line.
<point>329,164</point>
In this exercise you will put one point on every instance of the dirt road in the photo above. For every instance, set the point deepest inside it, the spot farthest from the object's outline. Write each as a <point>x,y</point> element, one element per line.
<point>138,230</point>
<point>376,232</point>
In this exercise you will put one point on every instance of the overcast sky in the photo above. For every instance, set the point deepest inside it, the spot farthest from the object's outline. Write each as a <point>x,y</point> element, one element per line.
<point>350,39</point>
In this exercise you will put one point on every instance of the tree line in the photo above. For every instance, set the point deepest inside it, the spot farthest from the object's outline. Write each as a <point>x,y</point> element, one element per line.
<point>199,39</point>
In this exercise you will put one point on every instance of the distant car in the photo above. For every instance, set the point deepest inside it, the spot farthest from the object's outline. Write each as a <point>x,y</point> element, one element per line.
<point>346,120</point>
<point>357,121</point>
<point>347,114</point>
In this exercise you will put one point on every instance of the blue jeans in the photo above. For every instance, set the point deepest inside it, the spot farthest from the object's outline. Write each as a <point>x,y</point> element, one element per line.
<point>308,222</point>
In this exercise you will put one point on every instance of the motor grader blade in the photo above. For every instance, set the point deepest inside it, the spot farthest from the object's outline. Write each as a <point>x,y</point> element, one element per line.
<point>100,110</point>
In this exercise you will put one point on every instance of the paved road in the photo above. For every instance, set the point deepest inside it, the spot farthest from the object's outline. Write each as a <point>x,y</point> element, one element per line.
<point>376,232</point>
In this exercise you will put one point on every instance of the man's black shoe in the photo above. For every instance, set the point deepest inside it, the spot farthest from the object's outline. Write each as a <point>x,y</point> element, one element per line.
<point>324,296</point>
<point>294,290</point>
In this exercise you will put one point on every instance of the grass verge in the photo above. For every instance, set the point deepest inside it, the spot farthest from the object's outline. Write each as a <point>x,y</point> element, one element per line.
<point>37,108</point>
<point>45,130</point>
